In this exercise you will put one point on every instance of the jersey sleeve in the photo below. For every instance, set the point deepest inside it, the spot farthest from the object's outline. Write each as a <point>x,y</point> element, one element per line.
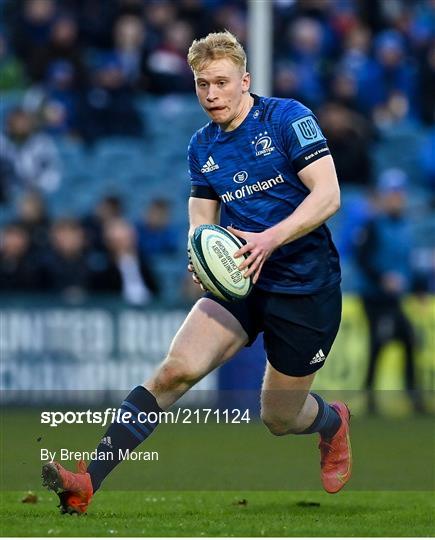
<point>301,136</point>
<point>200,188</point>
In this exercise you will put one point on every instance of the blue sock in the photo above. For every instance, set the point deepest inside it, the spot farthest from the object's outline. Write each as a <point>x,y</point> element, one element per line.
<point>123,436</point>
<point>327,421</point>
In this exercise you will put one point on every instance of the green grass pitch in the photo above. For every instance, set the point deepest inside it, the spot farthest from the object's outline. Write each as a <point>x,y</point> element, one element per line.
<point>225,514</point>
<point>223,480</point>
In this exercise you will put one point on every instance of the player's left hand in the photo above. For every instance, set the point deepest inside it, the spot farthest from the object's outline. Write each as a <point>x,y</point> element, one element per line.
<point>259,246</point>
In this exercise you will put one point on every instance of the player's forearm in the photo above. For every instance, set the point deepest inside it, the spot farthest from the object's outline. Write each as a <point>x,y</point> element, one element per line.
<point>310,214</point>
<point>202,211</point>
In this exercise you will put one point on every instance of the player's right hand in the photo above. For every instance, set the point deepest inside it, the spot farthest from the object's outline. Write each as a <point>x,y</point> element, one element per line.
<point>195,277</point>
<point>192,270</point>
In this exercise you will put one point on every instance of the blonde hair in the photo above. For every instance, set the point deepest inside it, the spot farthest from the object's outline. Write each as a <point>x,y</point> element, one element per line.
<point>215,46</point>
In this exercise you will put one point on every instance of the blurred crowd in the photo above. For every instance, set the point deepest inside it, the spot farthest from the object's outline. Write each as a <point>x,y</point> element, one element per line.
<point>82,62</point>
<point>99,253</point>
<point>363,66</point>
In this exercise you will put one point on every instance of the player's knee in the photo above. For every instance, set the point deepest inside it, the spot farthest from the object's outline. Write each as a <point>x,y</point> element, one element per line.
<point>176,371</point>
<point>276,425</point>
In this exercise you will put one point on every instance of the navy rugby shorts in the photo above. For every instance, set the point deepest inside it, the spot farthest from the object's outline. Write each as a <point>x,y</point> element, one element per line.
<point>299,330</point>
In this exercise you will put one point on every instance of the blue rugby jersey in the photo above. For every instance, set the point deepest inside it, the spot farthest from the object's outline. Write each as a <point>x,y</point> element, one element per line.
<point>252,171</point>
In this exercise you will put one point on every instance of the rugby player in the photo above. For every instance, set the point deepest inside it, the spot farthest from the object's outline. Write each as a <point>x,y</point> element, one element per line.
<point>266,161</point>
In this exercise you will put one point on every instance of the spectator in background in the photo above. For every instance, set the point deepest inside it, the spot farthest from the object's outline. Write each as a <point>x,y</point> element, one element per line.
<point>348,136</point>
<point>31,32</point>
<point>420,25</point>
<point>33,216</point>
<point>159,15</point>
<point>95,20</point>
<point>286,82</point>
<point>350,83</point>
<point>125,271</point>
<point>167,69</point>
<point>19,271</point>
<point>33,157</point>
<point>393,76</point>
<point>197,14</point>
<point>129,38</point>
<point>383,256</point>
<point>62,46</point>
<point>56,101</point>
<point>155,233</point>
<point>108,107</point>
<point>12,73</point>
<point>66,265</point>
<point>355,214</point>
<point>59,70</point>
<point>229,15</point>
<point>344,90</point>
<point>110,207</point>
<point>305,36</point>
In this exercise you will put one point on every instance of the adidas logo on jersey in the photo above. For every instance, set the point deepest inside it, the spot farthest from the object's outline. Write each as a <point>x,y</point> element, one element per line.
<point>107,441</point>
<point>320,357</point>
<point>209,166</point>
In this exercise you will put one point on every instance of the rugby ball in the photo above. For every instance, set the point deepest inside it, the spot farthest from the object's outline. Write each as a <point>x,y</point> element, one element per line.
<point>211,249</point>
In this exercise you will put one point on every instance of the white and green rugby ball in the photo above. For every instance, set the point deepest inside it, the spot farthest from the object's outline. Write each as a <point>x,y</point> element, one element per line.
<point>211,249</point>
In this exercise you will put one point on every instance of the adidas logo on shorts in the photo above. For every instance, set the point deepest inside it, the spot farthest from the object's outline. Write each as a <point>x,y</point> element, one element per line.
<point>320,357</point>
<point>107,441</point>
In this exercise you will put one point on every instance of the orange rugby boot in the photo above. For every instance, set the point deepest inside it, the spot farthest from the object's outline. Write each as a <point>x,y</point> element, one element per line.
<point>74,489</point>
<point>336,453</point>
